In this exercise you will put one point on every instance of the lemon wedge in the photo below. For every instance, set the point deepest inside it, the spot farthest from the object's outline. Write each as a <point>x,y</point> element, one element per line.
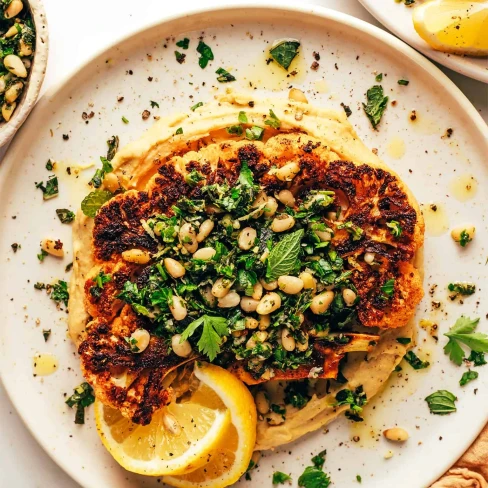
<point>230,457</point>
<point>177,441</point>
<point>454,26</point>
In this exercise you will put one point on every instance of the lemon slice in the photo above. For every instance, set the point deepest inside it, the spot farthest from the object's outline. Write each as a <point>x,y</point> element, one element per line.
<point>229,459</point>
<point>454,26</point>
<point>177,441</point>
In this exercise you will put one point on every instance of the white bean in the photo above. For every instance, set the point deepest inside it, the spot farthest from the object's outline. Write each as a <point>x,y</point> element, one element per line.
<point>468,230</point>
<point>111,182</point>
<point>271,207</point>
<point>249,304</point>
<point>15,65</point>
<point>24,48</point>
<point>174,268</point>
<point>262,402</point>
<point>396,434</point>
<point>8,110</point>
<point>264,322</point>
<point>221,287</point>
<point>297,95</point>
<point>251,323</point>
<point>11,32</point>
<point>269,303</point>
<point>230,300</point>
<point>141,338</point>
<point>205,253</point>
<point>261,199</point>
<point>3,82</point>
<point>302,346</point>
<point>246,239</point>
<point>178,308</point>
<point>182,349</point>
<point>323,235</point>
<point>369,257</point>
<point>288,171</point>
<point>349,297</point>
<point>188,238</point>
<point>205,229</point>
<point>137,256</point>
<point>14,8</point>
<point>269,285</point>
<point>309,282</point>
<point>286,198</point>
<point>282,223</point>
<point>320,303</point>
<point>54,248</point>
<point>291,285</point>
<point>257,291</point>
<point>287,340</point>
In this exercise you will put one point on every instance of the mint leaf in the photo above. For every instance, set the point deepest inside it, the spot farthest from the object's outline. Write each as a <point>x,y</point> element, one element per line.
<point>224,76</point>
<point>94,200</point>
<point>285,52</point>
<point>184,43</point>
<point>467,377</point>
<point>441,402</point>
<point>280,478</point>
<point>206,54</point>
<point>242,118</point>
<point>65,215</point>
<point>282,258</point>
<point>376,104</point>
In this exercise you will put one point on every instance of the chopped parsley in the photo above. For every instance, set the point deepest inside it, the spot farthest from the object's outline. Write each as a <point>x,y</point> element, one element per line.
<point>100,280</point>
<point>206,54</point>
<point>242,117</point>
<point>183,43</point>
<point>319,460</point>
<point>60,292</point>
<point>355,231</point>
<point>359,479</point>
<point>415,361</point>
<point>462,288</point>
<point>46,333</point>
<point>467,377</point>
<point>404,340</point>
<point>68,267</point>
<point>94,200</point>
<point>41,256</point>
<point>376,104</point>
<point>296,393</point>
<point>99,175</point>
<point>197,105</point>
<point>255,133</point>
<point>403,82</point>
<point>279,478</point>
<point>464,238</point>
<point>347,109</point>
<point>193,178</point>
<point>355,399</point>
<point>462,332</point>
<point>285,52</point>
<point>40,286</point>
<point>154,104</point>
<point>113,147</point>
<point>395,228</point>
<point>441,402</point>
<point>179,131</point>
<point>224,76</point>
<point>379,77</point>
<point>51,189</point>
<point>180,57</point>
<point>65,216</point>
<point>388,288</point>
<point>313,477</point>
<point>82,397</point>
<point>49,165</point>
<point>125,120</point>
<point>477,358</point>
<point>132,341</point>
<point>273,121</point>
<point>235,130</point>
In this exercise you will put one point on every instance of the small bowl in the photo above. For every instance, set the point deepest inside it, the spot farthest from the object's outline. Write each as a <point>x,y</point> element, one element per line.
<point>36,75</point>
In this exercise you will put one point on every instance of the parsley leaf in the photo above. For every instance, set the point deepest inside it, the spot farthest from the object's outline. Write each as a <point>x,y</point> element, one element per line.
<point>65,216</point>
<point>46,333</point>
<point>319,460</point>
<point>404,340</point>
<point>313,477</point>
<point>51,189</point>
<point>125,120</point>
<point>355,399</point>
<point>403,82</point>
<point>355,231</point>
<point>154,104</point>
<point>179,131</point>
<point>235,130</point>
<point>379,77</point>
<point>285,52</point>
<point>282,258</point>
<point>100,280</point>
<point>184,43</point>
<point>347,109</point>
<point>206,54</point>
<point>242,117</point>
<point>478,358</point>
<point>193,178</point>
<point>395,227</point>
<point>255,133</point>
<point>82,397</point>
<point>441,402</point>
<point>388,288</point>
<point>42,255</point>
<point>415,361</point>
<point>273,120</point>
<point>463,332</point>
<point>280,478</point>
<point>214,328</point>
<point>467,377</point>
<point>224,76</point>
<point>94,200</point>
<point>49,165</point>
<point>462,288</point>
<point>376,104</point>
<point>113,147</point>
<point>180,57</point>
<point>197,105</point>
<point>60,292</point>
<point>464,238</point>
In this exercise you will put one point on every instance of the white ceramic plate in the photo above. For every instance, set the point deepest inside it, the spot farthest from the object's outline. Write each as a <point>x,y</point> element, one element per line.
<point>397,18</point>
<point>351,53</point>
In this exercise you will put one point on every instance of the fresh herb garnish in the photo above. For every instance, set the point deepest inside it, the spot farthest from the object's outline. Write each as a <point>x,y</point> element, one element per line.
<point>224,76</point>
<point>100,280</point>
<point>319,460</point>
<point>113,147</point>
<point>464,238</point>
<point>441,402</point>
<point>206,54</point>
<point>358,478</point>
<point>42,255</point>
<point>49,165</point>
<point>125,120</point>
<point>183,43</point>
<point>99,175</point>
<point>154,104</point>
<point>404,340</point>
<point>82,397</point>
<point>285,52</point>
<point>65,216</point>
<point>376,104</point>
<point>39,286</point>
<point>415,361</point>
<point>60,292</point>
<point>353,229</point>
<point>46,333</point>
<point>214,329</point>
<point>379,77</point>
<point>273,121</point>
<point>279,478</point>
<point>388,288</point>
<point>462,288</point>
<point>197,105</point>
<point>347,109</point>
<point>467,377</point>
<point>179,131</point>
<point>296,393</point>
<point>68,267</point>
<point>235,130</point>
<point>193,178</point>
<point>180,57</point>
<point>313,477</point>
<point>255,133</point>
<point>132,341</point>
<point>395,228</point>
<point>477,358</point>
<point>94,200</point>
<point>462,332</point>
<point>403,82</point>
<point>242,117</point>
<point>355,399</point>
<point>51,189</point>
<point>282,258</point>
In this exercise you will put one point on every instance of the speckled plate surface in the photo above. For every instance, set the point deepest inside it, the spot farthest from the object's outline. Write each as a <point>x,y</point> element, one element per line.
<point>396,17</point>
<point>143,68</point>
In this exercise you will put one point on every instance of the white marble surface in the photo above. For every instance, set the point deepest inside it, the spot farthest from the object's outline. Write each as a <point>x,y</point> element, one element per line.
<point>78,29</point>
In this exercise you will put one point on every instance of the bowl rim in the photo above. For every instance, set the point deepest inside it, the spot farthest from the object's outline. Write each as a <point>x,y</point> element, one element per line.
<point>36,76</point>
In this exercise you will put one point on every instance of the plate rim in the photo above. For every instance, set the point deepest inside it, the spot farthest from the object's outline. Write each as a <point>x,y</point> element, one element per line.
<point>440,57</point>
<point>287,6</point>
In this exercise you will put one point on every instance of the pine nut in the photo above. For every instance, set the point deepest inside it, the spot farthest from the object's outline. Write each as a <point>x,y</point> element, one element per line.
<point>188,238</point>
<point>349,297</point>
<point>251,323</point>
<point>182,349</point>
<point>257,291</point>
<point>262,402</point>
<point>111,182</point>
<point>321,302</point>
<point>288,171</point>
<point>309,282</point>
<point>174,268</point>
<point>14,91</point>
<point>369,257</point>
<point>141,338</point>
<point>269,303</point>
<point>8,110</point>
<point>24,48</point>
<point>396,434</point>
<point>205,253</point>
<point>297,95</point>
<point>15,65</point>
<point>221,287</point>
<point>287,340</point>
<point>249,304</point>
<point>271,207</point>
<point>291,285</point>
<point>54,248</point>
<point>468,229</point>
<point>246,239</point>
<point>286,198</point>
<point>205,229</point>
<point>136,256</point>
<point>178,308</point>
<point>269,285</point>
<point>230,300</point>
<point>282,223</point>
<point>14,8</point>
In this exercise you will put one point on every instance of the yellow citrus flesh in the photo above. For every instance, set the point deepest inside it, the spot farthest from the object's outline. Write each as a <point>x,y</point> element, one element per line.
<point>454,26</point>
<point>177,441</point>
<point>229,459</point>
